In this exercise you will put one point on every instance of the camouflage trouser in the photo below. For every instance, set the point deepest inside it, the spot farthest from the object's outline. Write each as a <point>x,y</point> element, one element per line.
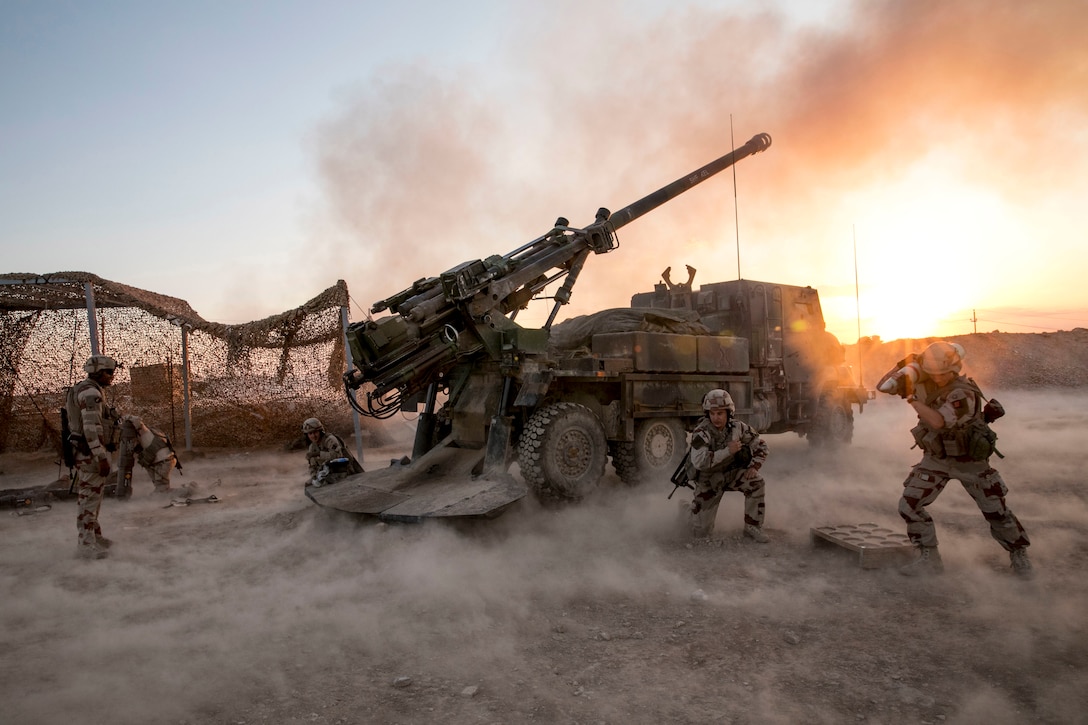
<point>929,477</point>
<point>160,474</point>
<point>89,501</point>
<point>708,494</point>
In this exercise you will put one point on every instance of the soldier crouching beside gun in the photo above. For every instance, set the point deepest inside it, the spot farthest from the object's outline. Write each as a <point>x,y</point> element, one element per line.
<point>725,455</point>
<point>152,449</point>
<point>956,440</point>
<point>327,455</point>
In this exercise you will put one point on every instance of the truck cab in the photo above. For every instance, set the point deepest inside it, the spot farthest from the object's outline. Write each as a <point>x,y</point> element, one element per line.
<point>800,380</point>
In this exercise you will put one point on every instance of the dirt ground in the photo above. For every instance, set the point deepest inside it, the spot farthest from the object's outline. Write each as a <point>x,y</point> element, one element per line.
<point>264,608</point>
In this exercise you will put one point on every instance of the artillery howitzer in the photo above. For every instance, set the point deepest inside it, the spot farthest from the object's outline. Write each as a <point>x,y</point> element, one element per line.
<point>456,335</point>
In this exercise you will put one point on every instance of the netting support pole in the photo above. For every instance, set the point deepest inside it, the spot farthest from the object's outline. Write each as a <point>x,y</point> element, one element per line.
<point>92,318</point>
<point>351,366</point>
<point>185,388</point>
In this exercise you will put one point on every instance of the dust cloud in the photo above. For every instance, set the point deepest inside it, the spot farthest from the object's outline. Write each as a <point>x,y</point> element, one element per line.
<point>265,608</point>
<point>889,96</point>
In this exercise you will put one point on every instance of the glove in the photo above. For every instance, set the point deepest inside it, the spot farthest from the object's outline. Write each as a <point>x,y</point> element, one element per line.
<point>741,459</point>
<point>901,385</point>
<point>104,467</point>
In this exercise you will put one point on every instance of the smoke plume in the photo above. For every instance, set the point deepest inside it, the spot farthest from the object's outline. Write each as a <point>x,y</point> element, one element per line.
<point>425,167</point>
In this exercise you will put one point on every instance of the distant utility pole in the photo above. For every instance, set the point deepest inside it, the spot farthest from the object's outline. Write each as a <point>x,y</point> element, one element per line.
<point>974,321</point>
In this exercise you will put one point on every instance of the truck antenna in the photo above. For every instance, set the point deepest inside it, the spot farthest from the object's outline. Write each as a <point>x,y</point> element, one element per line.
<point>857,303</point>
<point>736,213</point>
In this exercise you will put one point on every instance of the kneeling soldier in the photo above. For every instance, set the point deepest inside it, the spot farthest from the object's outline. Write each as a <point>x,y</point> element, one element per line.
<point>726,455</point>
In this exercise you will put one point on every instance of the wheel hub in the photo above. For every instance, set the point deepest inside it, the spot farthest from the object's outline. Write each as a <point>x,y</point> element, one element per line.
<point>659,445</point>
<point>574,453</point>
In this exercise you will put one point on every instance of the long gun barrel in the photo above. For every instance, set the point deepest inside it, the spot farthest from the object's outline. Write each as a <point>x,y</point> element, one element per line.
<point>442,320</point>
<point>626,215</point>
<point>599,236</point>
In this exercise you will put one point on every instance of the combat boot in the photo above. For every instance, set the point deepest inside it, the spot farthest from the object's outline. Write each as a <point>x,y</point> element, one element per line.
<point>1021,564</point>
<point>92,551</point>
<point>755,533</point>
<point>928,563</point>
<point>103,542</point>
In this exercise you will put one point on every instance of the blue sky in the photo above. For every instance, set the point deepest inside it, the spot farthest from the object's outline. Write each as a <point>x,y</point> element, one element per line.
<point>152,143</point>
<point>244,156</point>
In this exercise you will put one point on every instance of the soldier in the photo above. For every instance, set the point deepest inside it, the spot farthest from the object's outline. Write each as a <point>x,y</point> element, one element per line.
<point>94,434</point>
<point>151,448</point>
<point>325,447</point>
<point>726,455</point>
<point>956,442</point>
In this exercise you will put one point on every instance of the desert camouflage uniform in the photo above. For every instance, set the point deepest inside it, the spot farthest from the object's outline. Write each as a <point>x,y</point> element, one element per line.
<point>957,403</point>
<point>328,448</point>
<point>98,426</point>
<point>716,471</point>
<point>151,449</point>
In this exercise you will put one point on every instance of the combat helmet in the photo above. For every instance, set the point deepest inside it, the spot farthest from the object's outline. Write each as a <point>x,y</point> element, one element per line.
<point>942,357</point>
<point>98,363</point>
<point>718,398</point>
<point>311,425</point>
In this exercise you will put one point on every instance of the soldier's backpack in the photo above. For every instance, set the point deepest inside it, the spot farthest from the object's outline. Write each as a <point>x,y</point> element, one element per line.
<point>71,421</point>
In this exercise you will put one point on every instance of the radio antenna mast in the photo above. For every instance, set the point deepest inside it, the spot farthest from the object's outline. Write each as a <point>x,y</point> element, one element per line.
<point>857,303</point>
<point>736,212</point>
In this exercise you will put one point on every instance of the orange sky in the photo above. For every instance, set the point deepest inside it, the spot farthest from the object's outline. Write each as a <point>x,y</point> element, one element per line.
<point>948,138</point>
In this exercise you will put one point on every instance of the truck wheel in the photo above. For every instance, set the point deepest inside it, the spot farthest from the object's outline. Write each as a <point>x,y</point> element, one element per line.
<point>623,460</point>
<point>562,452</point>
<point>832,425</point>
<point>658,448</point>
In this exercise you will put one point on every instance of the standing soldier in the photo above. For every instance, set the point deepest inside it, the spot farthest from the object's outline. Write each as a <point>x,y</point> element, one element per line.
<point>726,455</point>
<point>956,442</point>
<point>94,432</point>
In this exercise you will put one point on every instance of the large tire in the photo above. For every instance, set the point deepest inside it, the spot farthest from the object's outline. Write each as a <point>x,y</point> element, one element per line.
<point>833,424</point>
<point>562,452</point>
<point>659,446</point>
<point>623,460</point>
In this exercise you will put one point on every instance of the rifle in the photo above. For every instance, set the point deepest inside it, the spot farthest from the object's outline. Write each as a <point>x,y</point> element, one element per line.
<point>67,448</point>
<point>680,475</point>
<point>741,459</point>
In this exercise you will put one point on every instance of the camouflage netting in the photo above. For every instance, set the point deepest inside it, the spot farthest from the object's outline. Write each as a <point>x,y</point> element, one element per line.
<point>250,384</point>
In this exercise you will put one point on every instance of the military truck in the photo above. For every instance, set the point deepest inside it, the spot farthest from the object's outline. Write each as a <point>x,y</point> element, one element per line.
<point>648,367</point>
<point>492,393</point>
<point>797,369</point>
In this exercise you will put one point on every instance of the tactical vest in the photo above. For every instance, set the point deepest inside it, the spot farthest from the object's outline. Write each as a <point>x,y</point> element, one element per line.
<point>717,440</point>
<point>108,418</point>
<point>149,453</point>
<point>971,440</point>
